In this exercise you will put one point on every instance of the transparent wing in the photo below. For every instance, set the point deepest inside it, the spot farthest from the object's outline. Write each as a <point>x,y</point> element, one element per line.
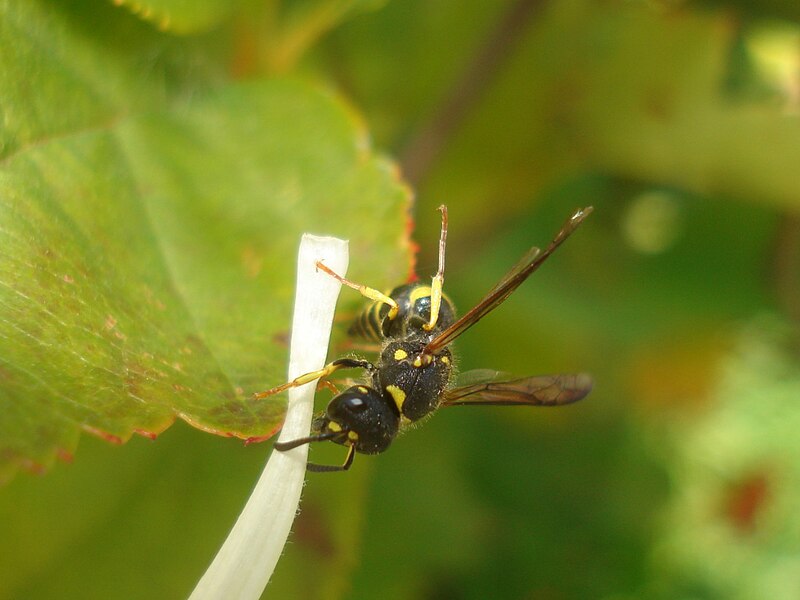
<point>540,390</point>
<point>531,261</point>
<point>474,376</point>
<point>520,266</point>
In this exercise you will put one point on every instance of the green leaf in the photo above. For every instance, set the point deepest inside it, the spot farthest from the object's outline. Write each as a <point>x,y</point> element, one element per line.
<point>147,259</point>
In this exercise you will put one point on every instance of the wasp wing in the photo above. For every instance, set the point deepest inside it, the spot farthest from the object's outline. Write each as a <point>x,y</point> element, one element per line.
<point>506,286</point>
<point>520,266</point>
<point>539,390</point>
<point>475,376</point>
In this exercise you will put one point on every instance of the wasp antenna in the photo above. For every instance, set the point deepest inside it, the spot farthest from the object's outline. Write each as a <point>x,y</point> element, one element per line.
<point>438,280</point>
<point>289,445</point>
<point>348,461</point>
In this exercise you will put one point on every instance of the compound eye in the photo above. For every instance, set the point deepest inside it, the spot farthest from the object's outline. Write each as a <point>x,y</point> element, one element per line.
<point>355,404</point>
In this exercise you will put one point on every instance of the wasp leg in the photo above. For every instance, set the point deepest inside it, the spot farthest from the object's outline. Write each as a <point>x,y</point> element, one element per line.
<point>365,291</point>
<point>324,384</point>
<point>315,468</point>
<point>438,280</point>
<point>342,363</point>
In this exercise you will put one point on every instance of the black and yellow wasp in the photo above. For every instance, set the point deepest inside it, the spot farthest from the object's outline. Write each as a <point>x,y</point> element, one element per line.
<point>415,325</point>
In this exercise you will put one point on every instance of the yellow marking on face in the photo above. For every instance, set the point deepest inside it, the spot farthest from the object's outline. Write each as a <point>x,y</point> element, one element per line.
<point>362,389</point>
<point>400,354</point>
<point>445,360</point>
<point>418,293</point>
<point>352,436</point>
<point>334,426</point>
<point>398,395</point>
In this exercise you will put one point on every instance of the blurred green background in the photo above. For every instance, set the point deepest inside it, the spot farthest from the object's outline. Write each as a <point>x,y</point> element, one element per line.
<point>678,477</point>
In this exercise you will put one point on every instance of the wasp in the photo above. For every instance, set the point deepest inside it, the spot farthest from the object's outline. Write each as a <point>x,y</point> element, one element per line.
<point>415,324</point>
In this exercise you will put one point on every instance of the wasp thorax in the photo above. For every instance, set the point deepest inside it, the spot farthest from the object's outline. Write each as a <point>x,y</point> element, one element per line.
<point>363,417</point>
<point>414,380</point>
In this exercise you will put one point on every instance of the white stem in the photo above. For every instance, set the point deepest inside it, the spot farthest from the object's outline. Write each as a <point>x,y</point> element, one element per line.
<point>244,564</point>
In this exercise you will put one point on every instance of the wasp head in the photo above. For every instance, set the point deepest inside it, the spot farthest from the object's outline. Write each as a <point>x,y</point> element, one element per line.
<point>361,417</point>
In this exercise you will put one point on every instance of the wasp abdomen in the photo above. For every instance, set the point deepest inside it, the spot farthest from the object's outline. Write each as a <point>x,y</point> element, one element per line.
<point>414,311</point>
<point>367,324</point>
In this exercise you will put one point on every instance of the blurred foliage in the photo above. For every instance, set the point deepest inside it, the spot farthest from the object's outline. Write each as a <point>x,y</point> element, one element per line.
<point>678,121</point>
